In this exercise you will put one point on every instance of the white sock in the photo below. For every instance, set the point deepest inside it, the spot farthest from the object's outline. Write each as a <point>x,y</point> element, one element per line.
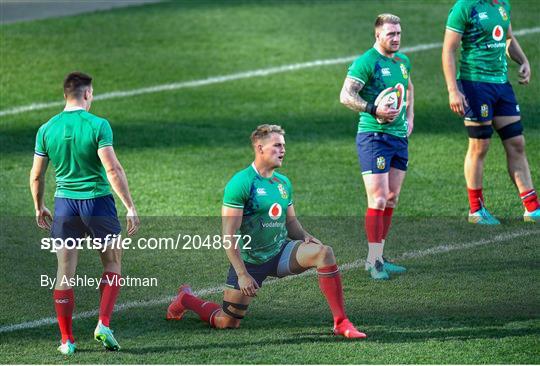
<point>375,251</point>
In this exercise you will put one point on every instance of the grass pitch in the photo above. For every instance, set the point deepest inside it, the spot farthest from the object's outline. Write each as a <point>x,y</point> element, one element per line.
<point>479,302</point>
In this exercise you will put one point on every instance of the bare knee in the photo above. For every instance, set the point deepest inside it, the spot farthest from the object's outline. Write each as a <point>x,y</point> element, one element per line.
<point>392,199</point>
<point>378,202</point>
<point>478,148</point>
<point>223,321</point>
<point>112,260</point>
<point>515,147</point>
<point>325,256</point>
<point>67,263</point>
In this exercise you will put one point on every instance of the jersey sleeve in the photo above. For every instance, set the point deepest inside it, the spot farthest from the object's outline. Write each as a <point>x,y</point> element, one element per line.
<point>236,192</point>
<point>360,70</point>
<point>40,148</point>
<point>105,135</point>
<point>458,17</point>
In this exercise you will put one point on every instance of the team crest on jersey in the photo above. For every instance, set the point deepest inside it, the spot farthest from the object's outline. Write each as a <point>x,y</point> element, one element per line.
<point>282,191</point>
<point>497,33</point>
<point>484,110</point>
<point>381,163</point>
<point>404,71</point>
<point>275,211</point>
<point>503,13</point>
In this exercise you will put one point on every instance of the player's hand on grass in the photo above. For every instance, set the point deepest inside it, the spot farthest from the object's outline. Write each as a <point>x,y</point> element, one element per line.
<point>248,285</point>
<point>44,218</point>
<point>524,73</point>
<point>133,221</point>
<point>387,113</point>
<point>458,102</point>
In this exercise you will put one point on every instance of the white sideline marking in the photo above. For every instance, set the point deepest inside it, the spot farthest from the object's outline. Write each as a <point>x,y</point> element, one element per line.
<point>213,290</point>
<point>230,77</point>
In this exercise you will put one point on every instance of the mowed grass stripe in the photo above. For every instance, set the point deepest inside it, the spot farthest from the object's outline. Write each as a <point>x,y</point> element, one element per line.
<point>230,77</point>
<point>444,248</point>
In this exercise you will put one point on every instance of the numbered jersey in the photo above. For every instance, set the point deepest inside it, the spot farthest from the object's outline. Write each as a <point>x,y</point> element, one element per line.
<point>484,26</point>
<point>264,202</point>
<point>377,73</point>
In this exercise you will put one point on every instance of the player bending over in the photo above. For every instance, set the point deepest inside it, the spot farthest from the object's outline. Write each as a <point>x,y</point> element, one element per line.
<point>258,203</point>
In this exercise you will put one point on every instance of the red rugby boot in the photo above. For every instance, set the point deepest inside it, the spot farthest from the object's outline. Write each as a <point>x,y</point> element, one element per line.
<point>347,329</point>
<point>176,310</point>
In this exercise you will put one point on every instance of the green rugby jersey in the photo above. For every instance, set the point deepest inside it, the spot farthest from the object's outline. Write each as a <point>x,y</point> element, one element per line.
<point>70,140</point>
<point>484,26</point>
<point>265,202</point>
<point>378,72</point>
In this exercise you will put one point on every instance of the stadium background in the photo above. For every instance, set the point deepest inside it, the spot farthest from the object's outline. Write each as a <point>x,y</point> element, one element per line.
<point>471,295</point>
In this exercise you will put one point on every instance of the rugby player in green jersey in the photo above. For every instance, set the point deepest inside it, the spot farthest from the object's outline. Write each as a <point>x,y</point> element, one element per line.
<point>262,237</point>
<point>80,147</point>
<point>482,94</point>
<point>382,138</point>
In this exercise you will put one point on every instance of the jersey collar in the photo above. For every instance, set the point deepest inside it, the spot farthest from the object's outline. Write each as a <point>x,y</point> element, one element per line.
<point>259,174</point>
<point>73,108</point>
<point>383,55</point>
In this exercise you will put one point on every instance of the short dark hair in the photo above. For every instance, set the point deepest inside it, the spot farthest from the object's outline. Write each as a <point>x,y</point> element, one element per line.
<point>75,83</point>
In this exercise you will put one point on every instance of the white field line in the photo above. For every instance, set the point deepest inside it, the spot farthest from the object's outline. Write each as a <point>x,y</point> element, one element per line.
<point>217,289</point>
<point>230,77</point>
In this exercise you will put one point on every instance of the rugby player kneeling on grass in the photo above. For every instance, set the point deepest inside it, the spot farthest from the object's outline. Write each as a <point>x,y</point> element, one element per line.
<point>258,205</point>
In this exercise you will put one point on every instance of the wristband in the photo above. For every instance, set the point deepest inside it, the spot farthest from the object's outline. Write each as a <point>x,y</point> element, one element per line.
<point>371,109</point>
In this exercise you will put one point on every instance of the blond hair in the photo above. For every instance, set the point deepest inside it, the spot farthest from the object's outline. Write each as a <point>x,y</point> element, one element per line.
<point>385,19</point>
<point>264,131</point>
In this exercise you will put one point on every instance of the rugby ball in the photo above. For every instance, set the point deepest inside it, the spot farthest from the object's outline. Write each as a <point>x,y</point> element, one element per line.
<point>392,97</point>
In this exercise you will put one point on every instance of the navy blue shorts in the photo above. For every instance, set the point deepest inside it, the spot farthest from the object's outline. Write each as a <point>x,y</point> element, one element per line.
<point>377,152</point>
<point>487,100</point>
<point>278,266</point>
<point>96,217</point>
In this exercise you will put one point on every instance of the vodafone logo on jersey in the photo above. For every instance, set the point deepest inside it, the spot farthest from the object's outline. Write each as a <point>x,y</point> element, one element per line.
<point>498,33</point>
<point>275,211</point>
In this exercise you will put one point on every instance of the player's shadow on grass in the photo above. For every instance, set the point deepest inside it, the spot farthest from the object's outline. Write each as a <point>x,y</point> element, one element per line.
<point>294,339</point>
<point>450,334</point>
<point>380,336</point>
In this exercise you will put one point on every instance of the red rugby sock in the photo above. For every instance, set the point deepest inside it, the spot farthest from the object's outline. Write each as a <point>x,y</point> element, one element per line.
<point>64,303</point>
<point>530,200</point>
<point>476,199</point>
<point>331,287</point>
<point>387,220</point>
<point>374,225</point>
<point>109,288</point>
<point>205,309</point>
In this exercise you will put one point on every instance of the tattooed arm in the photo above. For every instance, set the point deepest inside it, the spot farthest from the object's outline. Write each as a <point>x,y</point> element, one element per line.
<point>349,97</point>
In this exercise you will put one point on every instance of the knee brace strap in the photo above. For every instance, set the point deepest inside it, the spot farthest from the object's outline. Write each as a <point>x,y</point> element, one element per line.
<point>227,311</point>
<point>480,132</point>
<point>511,130</point>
